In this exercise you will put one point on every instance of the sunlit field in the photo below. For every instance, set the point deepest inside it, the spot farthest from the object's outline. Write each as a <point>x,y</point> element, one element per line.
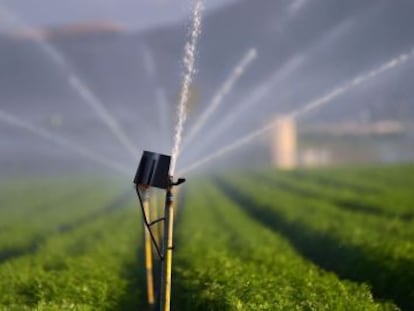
<point>332,239</point>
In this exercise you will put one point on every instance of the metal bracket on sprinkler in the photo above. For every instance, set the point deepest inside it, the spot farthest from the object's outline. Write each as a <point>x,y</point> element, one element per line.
<point>153,171</point>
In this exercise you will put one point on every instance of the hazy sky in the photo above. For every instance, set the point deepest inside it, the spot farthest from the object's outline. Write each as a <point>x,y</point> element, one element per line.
<point>134,14</point>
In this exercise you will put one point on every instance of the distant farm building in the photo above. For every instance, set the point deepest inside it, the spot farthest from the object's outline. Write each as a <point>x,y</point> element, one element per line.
<point>284,143</point>
<point>318,145</point>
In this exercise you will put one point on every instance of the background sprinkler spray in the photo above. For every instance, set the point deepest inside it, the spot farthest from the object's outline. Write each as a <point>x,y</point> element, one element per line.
<point>217,100</point>
<point>85,93</point>
<point>93,101</point>
<point>16,122</point>
<point>264,89</point>
<point>257,96</point>
<point>318,103</point>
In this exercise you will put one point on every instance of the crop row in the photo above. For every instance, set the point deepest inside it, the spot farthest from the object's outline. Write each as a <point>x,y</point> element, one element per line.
<point>23,198</point>
<point>93,266</point>
<point>27,224</point>
<point>384,177</point>
<point>227,260</point>
<point>361,247</point>
<point>380,203</point>
<point>337,203</point>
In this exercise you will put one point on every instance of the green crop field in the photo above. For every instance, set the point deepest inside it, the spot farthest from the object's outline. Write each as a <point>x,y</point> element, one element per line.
<point>327,239</point>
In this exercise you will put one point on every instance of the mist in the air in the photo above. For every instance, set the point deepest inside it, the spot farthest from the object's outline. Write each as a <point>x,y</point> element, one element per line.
<point>88,85</point>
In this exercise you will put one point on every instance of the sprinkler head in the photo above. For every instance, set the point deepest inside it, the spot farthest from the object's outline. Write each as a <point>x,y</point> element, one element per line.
<point>153,171</point>
<point>179,182</point>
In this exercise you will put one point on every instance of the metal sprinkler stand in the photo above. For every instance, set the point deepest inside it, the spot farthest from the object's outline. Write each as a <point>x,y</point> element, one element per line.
<point>153,171</point>
<point>168,247</point>
<point>148,254</point>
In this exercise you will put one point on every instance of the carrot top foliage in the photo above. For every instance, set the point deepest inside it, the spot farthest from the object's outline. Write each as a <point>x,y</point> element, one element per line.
<point>331,239</point>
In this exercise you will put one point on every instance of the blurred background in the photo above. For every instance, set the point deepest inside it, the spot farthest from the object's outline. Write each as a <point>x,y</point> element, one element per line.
<point>105,77</point>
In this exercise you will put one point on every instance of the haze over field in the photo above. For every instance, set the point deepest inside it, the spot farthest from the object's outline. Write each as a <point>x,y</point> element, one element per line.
<point>304,50</point>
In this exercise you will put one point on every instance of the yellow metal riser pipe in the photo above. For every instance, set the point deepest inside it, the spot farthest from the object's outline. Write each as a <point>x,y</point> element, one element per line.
<point>149,260</point>
<point>165,297</point>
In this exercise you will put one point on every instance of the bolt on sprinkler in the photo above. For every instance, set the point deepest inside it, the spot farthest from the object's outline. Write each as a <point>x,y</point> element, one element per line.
<point>153,171</point>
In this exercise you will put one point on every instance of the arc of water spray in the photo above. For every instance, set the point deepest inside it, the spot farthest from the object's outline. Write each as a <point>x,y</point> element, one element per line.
<point>318,103</point>
<point>262,91</point>
<point>189,64</point>
<point>258,95</point>
<point>218,98</point>
<point>93,101</point>
<point>75,82</point>
<point>19,123</point>
<point>232,147</point>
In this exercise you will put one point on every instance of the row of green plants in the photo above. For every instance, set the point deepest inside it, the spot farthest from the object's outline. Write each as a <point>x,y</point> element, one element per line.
<point>363,247</point>
<point>396,181</point>
<point>382,202</point>
<point>21,198</point>
<point>93,266</point>
<point>315,197</point>
<point>228,260</point>
<point>29,219</point>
